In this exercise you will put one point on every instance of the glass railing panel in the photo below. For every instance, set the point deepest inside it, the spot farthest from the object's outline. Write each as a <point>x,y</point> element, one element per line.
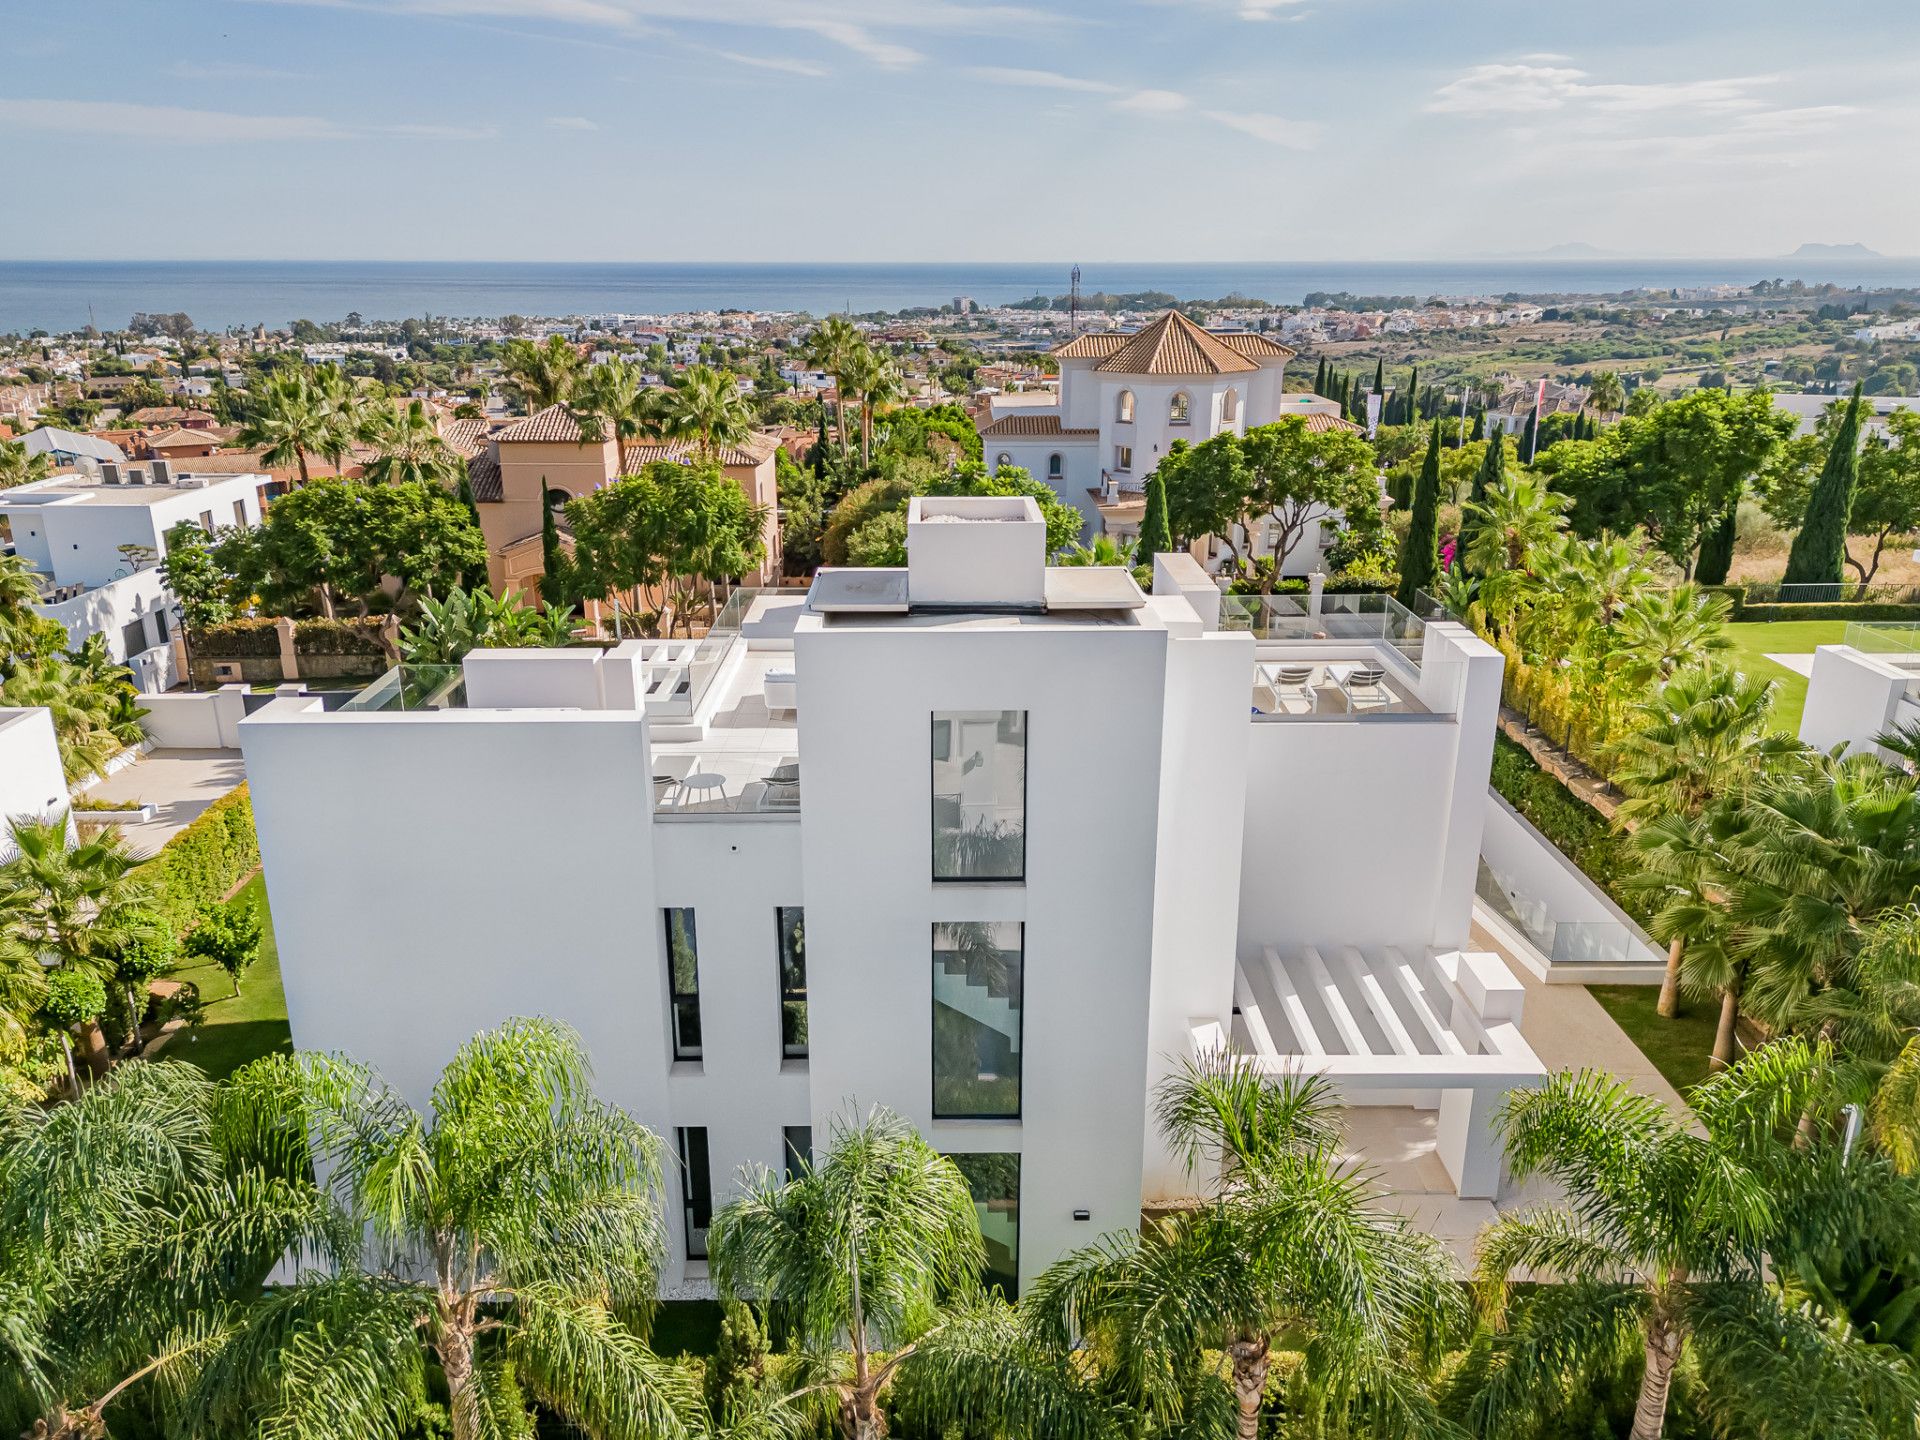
<point>413,687</point>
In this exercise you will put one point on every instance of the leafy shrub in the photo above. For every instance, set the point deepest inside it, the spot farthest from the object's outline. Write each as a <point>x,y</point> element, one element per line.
<point>337,637</point>
<point>238,640</point>
<point>228,936</point>
<point>203,862</point>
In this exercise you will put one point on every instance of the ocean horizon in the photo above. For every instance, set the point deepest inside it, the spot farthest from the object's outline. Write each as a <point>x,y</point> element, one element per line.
<point>60,296</point>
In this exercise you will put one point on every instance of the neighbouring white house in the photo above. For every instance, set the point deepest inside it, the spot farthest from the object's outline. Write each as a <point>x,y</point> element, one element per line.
<point>1863,689</point>
<point>1125,398</point>
<point>32,784</point>
<point>996,844</point>
<point>95,538</point>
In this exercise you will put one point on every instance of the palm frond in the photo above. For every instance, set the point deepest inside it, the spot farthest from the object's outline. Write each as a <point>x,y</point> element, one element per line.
<point>592,1369</point>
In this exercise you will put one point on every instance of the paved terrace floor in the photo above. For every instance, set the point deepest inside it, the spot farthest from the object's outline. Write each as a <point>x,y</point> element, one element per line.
<point>1568,1029</point>
<point>744,742</point>
<point>181,783</point>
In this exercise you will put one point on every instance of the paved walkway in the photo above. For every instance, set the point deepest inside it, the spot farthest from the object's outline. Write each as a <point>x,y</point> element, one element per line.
<point>181,783</point>
<point>1799,664</point>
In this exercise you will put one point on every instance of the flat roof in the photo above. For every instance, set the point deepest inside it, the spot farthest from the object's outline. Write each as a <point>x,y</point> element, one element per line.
<point>1092,587</point>
<point>848,590</point>
<point>77,489</point>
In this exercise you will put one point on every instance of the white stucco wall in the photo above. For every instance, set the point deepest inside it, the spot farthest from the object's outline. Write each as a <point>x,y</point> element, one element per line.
<point>75,536</point>
<point>32,785</point>
<point>109,609</point>
<point>1851,698</point>
<point>867,697</point>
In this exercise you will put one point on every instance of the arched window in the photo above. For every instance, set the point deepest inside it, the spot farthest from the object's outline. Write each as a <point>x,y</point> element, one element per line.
<point>1055,466</point>
<point>1003,458</point>
<point>557,498</point>
<point>1177,408</point>
<point>1124,414</point>
<point>1230,406</point>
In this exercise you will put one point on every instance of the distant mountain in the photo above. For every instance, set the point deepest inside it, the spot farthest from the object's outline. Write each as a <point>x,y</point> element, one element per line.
<point>1574,250</point>
<point>1852,250</point>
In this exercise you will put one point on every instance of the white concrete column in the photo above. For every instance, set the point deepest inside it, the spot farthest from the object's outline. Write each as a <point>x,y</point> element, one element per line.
<point>1468,1144</point>
<point>1316,589</point>
<point>1851,698</point>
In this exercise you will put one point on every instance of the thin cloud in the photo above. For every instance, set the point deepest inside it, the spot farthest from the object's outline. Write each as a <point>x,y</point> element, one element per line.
<point>1040,80</point>
<point>1271,129</point>
<point>175,124</point>
<point>570,122</point>
<point>218,70</point>
<point>1153,102</point>
<point>1523,89</point>
<point>778,63</point>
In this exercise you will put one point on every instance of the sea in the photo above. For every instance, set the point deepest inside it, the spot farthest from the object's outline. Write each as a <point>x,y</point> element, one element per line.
<point>59,296</point>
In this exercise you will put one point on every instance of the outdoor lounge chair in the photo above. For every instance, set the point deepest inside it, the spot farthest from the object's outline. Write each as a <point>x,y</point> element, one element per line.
<point>1298,679</point>
<point>1365,682</point>
<point>781,789</point>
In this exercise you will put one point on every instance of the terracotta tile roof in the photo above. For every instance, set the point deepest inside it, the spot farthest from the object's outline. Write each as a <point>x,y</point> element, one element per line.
<point>1174,345</point>
<point>553,424</point>
<point>1018,426</point>
<point>169,415</point>
<point>465,437</point>
<point>1095,346</point>
<point>1316,424</point>
<point>483,477</point>
<point>175,439</point>
<point>1255,347</point>
<point>756,449</point>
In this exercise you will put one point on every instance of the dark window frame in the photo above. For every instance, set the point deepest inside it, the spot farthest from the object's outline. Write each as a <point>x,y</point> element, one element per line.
<point>796,1163</point>
<point>935,755</point>
<point>692,1201</point>
<point>676,997</point>
<point>790,1050</point>
<point>933,1003</point>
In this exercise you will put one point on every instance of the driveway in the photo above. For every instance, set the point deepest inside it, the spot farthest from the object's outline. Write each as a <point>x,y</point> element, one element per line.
<point>181,783</point>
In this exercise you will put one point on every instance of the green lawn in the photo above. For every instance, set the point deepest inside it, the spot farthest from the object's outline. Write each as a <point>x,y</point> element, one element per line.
<point>1754,641</point>
<point>1680,1048</point>
<point>242,1027</point>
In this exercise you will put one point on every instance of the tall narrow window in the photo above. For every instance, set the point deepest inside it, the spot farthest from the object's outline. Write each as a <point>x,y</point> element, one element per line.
<point>977,985</point>
<point>1230,406</point>
<point>1177,409</point>
<point>240,513</point>
<point>683,983</point>
<point>696,1187</point>
<point>1123,458</point>
<point>790,922</point>
<point>994,1180</point>
<point>1056,466</point>
<point>796,1142</point>
<point>1123,411</point>
<point>980,795</point>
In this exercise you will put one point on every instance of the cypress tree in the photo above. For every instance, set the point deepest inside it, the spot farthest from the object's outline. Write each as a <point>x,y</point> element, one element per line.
<point>1420,555</point>
<point>1819,552</point>
<point>1413,397</point>
<point>1491,475</point>
<point>1380,377</point>
<point>1530,437</point>
<point>1156,537</point>
<point>1479,424</point>
<point>1320,377</point>
<point>554,589</point>
<point>1716,547</point>
<point>818,458</point>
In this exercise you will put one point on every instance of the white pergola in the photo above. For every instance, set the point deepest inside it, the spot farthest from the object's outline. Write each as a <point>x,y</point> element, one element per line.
<point>1433,1031</point>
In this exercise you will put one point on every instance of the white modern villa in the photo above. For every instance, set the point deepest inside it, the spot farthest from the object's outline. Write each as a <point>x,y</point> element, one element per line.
<point>1125,397</point>
<point>995,844</point>
<point>94,537</point>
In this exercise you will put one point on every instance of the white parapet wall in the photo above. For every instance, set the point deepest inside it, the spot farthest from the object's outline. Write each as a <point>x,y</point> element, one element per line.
<point>1551,915</point>
<point>195,720</point>
<point>1853,697</point>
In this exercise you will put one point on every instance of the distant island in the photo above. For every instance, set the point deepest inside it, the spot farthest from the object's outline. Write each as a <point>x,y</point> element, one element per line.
<point>1853,250</point>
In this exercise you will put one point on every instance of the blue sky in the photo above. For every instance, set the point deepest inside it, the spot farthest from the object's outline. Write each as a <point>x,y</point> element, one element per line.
<point>942,130</point>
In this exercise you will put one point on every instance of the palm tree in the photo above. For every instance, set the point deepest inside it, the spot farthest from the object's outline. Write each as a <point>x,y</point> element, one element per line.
<point>135,1224</point>
<point>540,375</point>
<point>833,346</point>
<point>611,402</point>
<point>289,420</point>
<point>19,467</point>
<point>24,632</point>
<point>73,904</point>
<point>871,376</point>
<point>859,1253</point>
<point>1662,630</point>
<point>1289,1245</point>
<point>86,704</point>
<point>1516,517</point>
<point>1105,551</point>
<point>349,416</point>
<point>707,408</point>
<point>1699,738</point>
<point>1662,1242</point>
<point>1607,394</point>
<point>409,447</point>
<point>506,1231</point>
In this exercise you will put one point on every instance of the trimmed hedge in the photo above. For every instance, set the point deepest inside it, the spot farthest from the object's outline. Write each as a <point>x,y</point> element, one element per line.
<point>204,861</point>
<point>259,638</point>
<point>1855,610</point>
